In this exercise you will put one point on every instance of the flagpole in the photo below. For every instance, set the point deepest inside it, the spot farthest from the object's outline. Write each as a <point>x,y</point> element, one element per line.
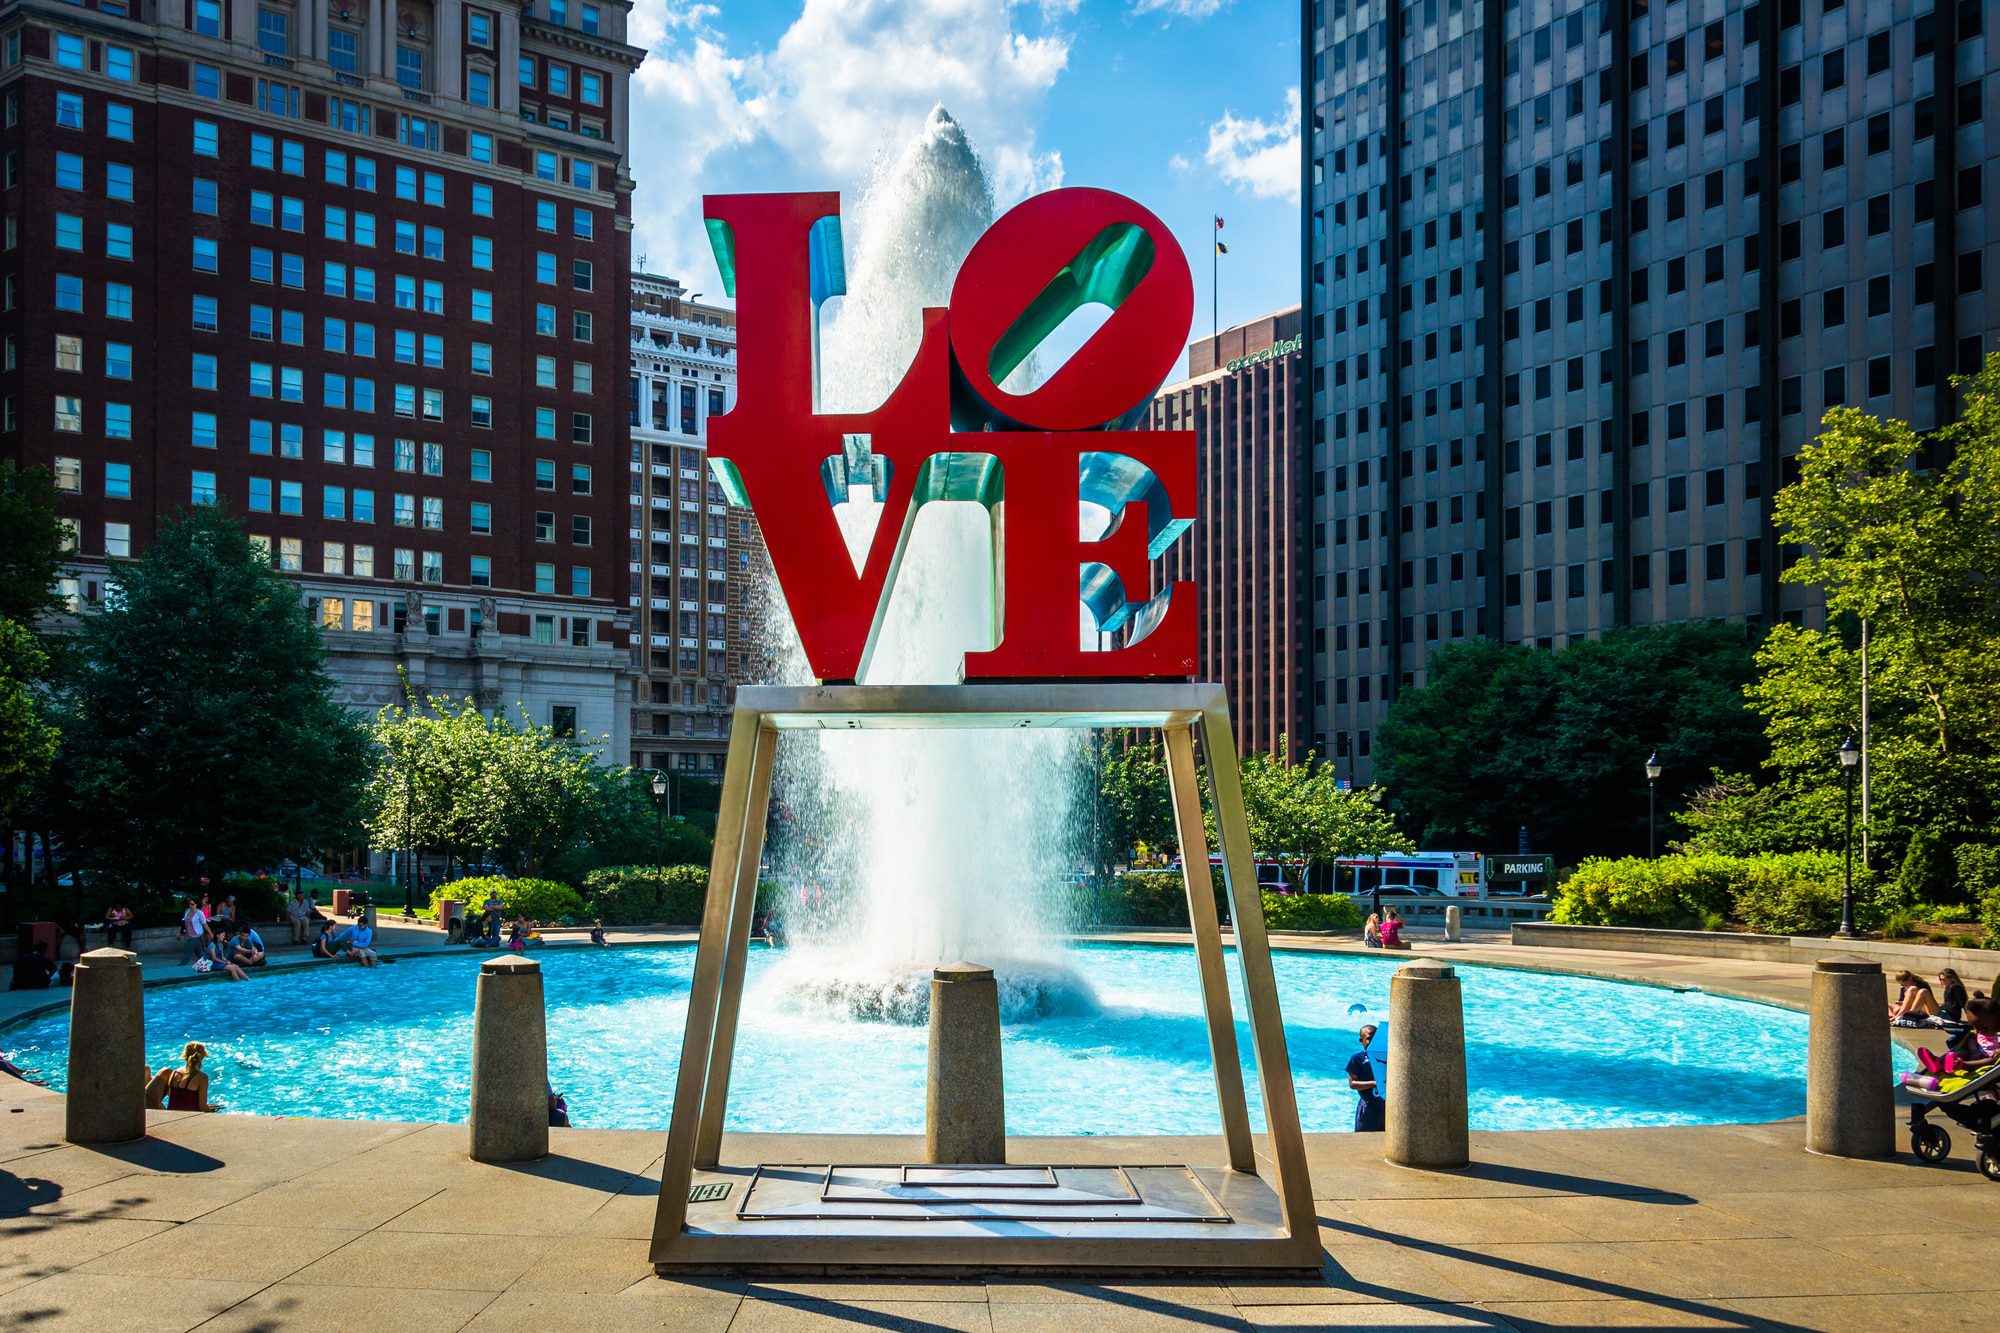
<point>1214,315</point>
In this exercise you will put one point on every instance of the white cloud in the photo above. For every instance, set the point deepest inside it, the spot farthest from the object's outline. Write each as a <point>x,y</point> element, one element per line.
<point>1187,9</point>
<point>1259,156</point>
<point>1179,162</point>
<point>846,82</point>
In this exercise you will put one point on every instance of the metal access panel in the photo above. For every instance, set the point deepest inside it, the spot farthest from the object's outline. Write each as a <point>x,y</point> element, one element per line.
<point>1076,1216</point>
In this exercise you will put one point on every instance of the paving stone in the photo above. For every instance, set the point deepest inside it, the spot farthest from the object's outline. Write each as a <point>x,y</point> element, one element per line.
<point>1369,1317</point>
<point>1110,1317</point>
<point>890,1316</point>
<point>1721,1269</point>
<point>540,1311</point>
<point>1464,1221</point>
<point>95,1302</point>
<point>291,1307</point>
<point>428,1261</point>
<point>1528,1316</point>
<point>35,1248</point>
<point>228,1254</point>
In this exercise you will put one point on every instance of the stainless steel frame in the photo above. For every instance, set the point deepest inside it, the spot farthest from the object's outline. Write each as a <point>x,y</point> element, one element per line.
<point>1273,1225</point>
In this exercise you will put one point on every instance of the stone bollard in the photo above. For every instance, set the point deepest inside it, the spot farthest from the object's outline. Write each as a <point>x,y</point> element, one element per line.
<point>965,1110</point>
<point>510,1063</point>
<point>1850,1098</point>
<point>1426,1076</point>
<point>107,1050</point>
<point>1454,922</point>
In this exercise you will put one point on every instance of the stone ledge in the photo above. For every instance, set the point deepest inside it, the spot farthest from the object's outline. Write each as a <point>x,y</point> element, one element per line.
<point>1803,950</point>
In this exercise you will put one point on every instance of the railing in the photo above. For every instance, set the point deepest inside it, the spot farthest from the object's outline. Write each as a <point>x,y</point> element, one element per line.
<point>279,62</point>
<point>346,80</point>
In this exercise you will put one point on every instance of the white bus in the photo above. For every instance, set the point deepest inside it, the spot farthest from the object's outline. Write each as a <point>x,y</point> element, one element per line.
<point>1418,874</point>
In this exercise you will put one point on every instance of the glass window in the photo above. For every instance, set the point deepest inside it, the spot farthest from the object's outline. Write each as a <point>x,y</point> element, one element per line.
<point>118,421</point>
<point>202,430</point>
<point>482,358</point>
<point>341,50</point>
<point>579,581</point>
<point>69,353</point>
<point>201,488</point>
<point>204,371</point>
<point>208,17</point>
<point>120,63</point>
<point>410,68</point>
<point>118,181</point>
<point>479,92</point>
<point>69,292</point>
<point>480,572</point>
<point>433,567</point>
<point>118,539</point>
<point>260,495</point>
<point>69,171</point>
<point>206,198</point>
<point>118,360</point>
<point>69,475</point>
<point>117,481</point>
<point>117,240</point>
<point>545,578</point>
<point>117,300</point>
<point>69,231</point>
<point>69,111</point>
<point>118,121</point>
<point>582,223</point>
<point>479,29</point>
<point>274,35</point>
<point>333,560</point>
<point>482,200</point>
<point>205,316</point>
<point>206,139</point>
<point>70,51</point>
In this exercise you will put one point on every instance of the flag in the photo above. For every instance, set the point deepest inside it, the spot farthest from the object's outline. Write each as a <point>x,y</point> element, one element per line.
<point>1221,249</point>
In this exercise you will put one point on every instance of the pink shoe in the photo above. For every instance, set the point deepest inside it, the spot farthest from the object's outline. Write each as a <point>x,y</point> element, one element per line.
<point>1929,1059</point>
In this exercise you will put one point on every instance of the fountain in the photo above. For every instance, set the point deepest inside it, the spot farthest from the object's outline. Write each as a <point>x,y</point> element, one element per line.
<point>909,849</point>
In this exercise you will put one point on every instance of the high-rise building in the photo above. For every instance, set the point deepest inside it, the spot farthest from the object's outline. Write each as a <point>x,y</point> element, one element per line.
<point>357,274</point>
<point>696,559</point>
<point>1581,279</point>
<point>1243,399</point>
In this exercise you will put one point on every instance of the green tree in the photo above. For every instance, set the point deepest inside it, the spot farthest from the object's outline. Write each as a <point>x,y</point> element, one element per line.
<point>1503,736</point>
<point>31,543</point>
<point>1911,547</point>
<point>477,787</point>
<point>1134,808</point>
<point>205,738</point>
<point>1299,810</point>
<point>27,738</point>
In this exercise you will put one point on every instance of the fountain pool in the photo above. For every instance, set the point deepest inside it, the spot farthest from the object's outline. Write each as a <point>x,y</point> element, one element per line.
<point>1543,1051</point>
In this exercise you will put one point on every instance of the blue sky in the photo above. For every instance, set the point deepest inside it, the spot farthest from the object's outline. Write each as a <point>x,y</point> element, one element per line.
<point>1188,106</point>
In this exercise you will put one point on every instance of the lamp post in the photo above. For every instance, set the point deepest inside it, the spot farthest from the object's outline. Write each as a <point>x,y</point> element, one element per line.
<point>1850,759</point>
<point>1652,803</point>
<point>660,818</point>
<point>1375,798</point>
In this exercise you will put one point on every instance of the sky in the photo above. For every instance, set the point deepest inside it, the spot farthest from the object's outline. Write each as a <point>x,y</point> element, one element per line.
<point>1191,107</point>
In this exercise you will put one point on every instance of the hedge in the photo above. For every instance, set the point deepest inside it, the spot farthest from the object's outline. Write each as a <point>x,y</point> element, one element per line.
<point>259,898</point>
<point>535,899</point>
<point>1795,893</point>
<point>1158,898</point>
<point>666,895</point>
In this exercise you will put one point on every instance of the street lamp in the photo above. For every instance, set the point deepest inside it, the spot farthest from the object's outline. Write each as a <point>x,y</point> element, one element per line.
<point>1375,798</point>
<point>1652,802</point>
<point>1850,759</point>
<point>660,818</point>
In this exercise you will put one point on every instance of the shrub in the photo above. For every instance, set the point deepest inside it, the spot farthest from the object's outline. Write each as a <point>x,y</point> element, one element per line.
<point>1900,924</point>
<point>1143,898</point>
<point>1311,911</point>
<point>658,895</point>
<point>259,898</point>
<point>1978,866</point>
<point>1786,893</point>
<point>1928,874</point>
<point>535,899</point>
<point>1989,917</point>
<point>631,895</point>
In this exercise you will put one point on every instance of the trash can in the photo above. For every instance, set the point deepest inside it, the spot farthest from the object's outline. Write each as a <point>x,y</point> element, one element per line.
<point>32,933</point>
<point>448,908</point>
<point>342,900</point>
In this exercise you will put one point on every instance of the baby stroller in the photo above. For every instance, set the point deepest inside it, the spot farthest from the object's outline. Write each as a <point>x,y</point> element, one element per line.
<point>1972,1102</point>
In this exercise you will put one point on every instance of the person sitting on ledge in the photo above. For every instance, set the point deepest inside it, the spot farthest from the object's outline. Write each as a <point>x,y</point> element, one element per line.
<point>1391,930</point>
<point>1371,931</point>
<point>183,1089</point>
<point>246,947</point>
<point>356,942</point>
<point>597,933</point>
<point>1984,1016</point>
<point>1915,1004</point>
<point>322,945</point>
<point>1951,997</point>
<point>217,957</point>
<point>517,935</point>
<point>35,971</point>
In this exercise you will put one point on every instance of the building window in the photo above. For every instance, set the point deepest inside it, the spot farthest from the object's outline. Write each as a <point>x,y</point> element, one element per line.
<point>208,17</point>
<point>118,539</point>
<point>340,50</point>
<point>117,481</point>
<point>579,581</point>
<point>201,488</point>
<point>410,68</point>
<point>545,578</point>
<point>274,35</point>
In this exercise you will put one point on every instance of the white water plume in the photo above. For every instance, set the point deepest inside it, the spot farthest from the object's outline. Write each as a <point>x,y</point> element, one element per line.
<point>902,850</point>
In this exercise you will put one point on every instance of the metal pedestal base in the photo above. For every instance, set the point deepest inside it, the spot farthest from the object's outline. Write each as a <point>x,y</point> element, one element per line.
<point>891,1217</point>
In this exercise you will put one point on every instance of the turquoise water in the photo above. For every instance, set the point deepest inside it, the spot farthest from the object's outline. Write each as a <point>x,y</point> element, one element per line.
<point>395,1044</point>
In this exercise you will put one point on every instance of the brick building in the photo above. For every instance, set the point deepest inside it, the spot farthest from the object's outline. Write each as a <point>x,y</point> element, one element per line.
<point>695,558</point>
<point>358,274</point>
<point>1243,400</point>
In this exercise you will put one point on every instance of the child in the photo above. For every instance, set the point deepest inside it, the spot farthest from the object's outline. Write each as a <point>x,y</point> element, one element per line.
<point>1984,1016</point>
<point>1369,1106</point>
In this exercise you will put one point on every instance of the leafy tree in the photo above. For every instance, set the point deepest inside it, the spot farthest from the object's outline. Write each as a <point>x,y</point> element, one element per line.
<point>27,739</point>
<point>1134,808</point>
<point>205,737</point>
<point>1505,735</point>
<point>31,543</point>
<point>1914,550</point>
<point>453,779</point>
<point>1298,809</point>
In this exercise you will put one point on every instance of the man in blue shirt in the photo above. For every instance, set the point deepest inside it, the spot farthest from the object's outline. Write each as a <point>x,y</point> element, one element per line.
<point>1362,1077</point>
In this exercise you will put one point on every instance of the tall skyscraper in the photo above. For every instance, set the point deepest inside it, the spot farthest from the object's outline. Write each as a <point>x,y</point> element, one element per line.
<point>359,274</point>
<point>695,557</point>
<point>1581,281</point>
<point>1243,400</point>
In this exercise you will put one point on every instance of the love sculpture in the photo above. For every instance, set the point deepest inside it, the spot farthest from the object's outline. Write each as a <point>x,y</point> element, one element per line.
<point>953,430</point>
